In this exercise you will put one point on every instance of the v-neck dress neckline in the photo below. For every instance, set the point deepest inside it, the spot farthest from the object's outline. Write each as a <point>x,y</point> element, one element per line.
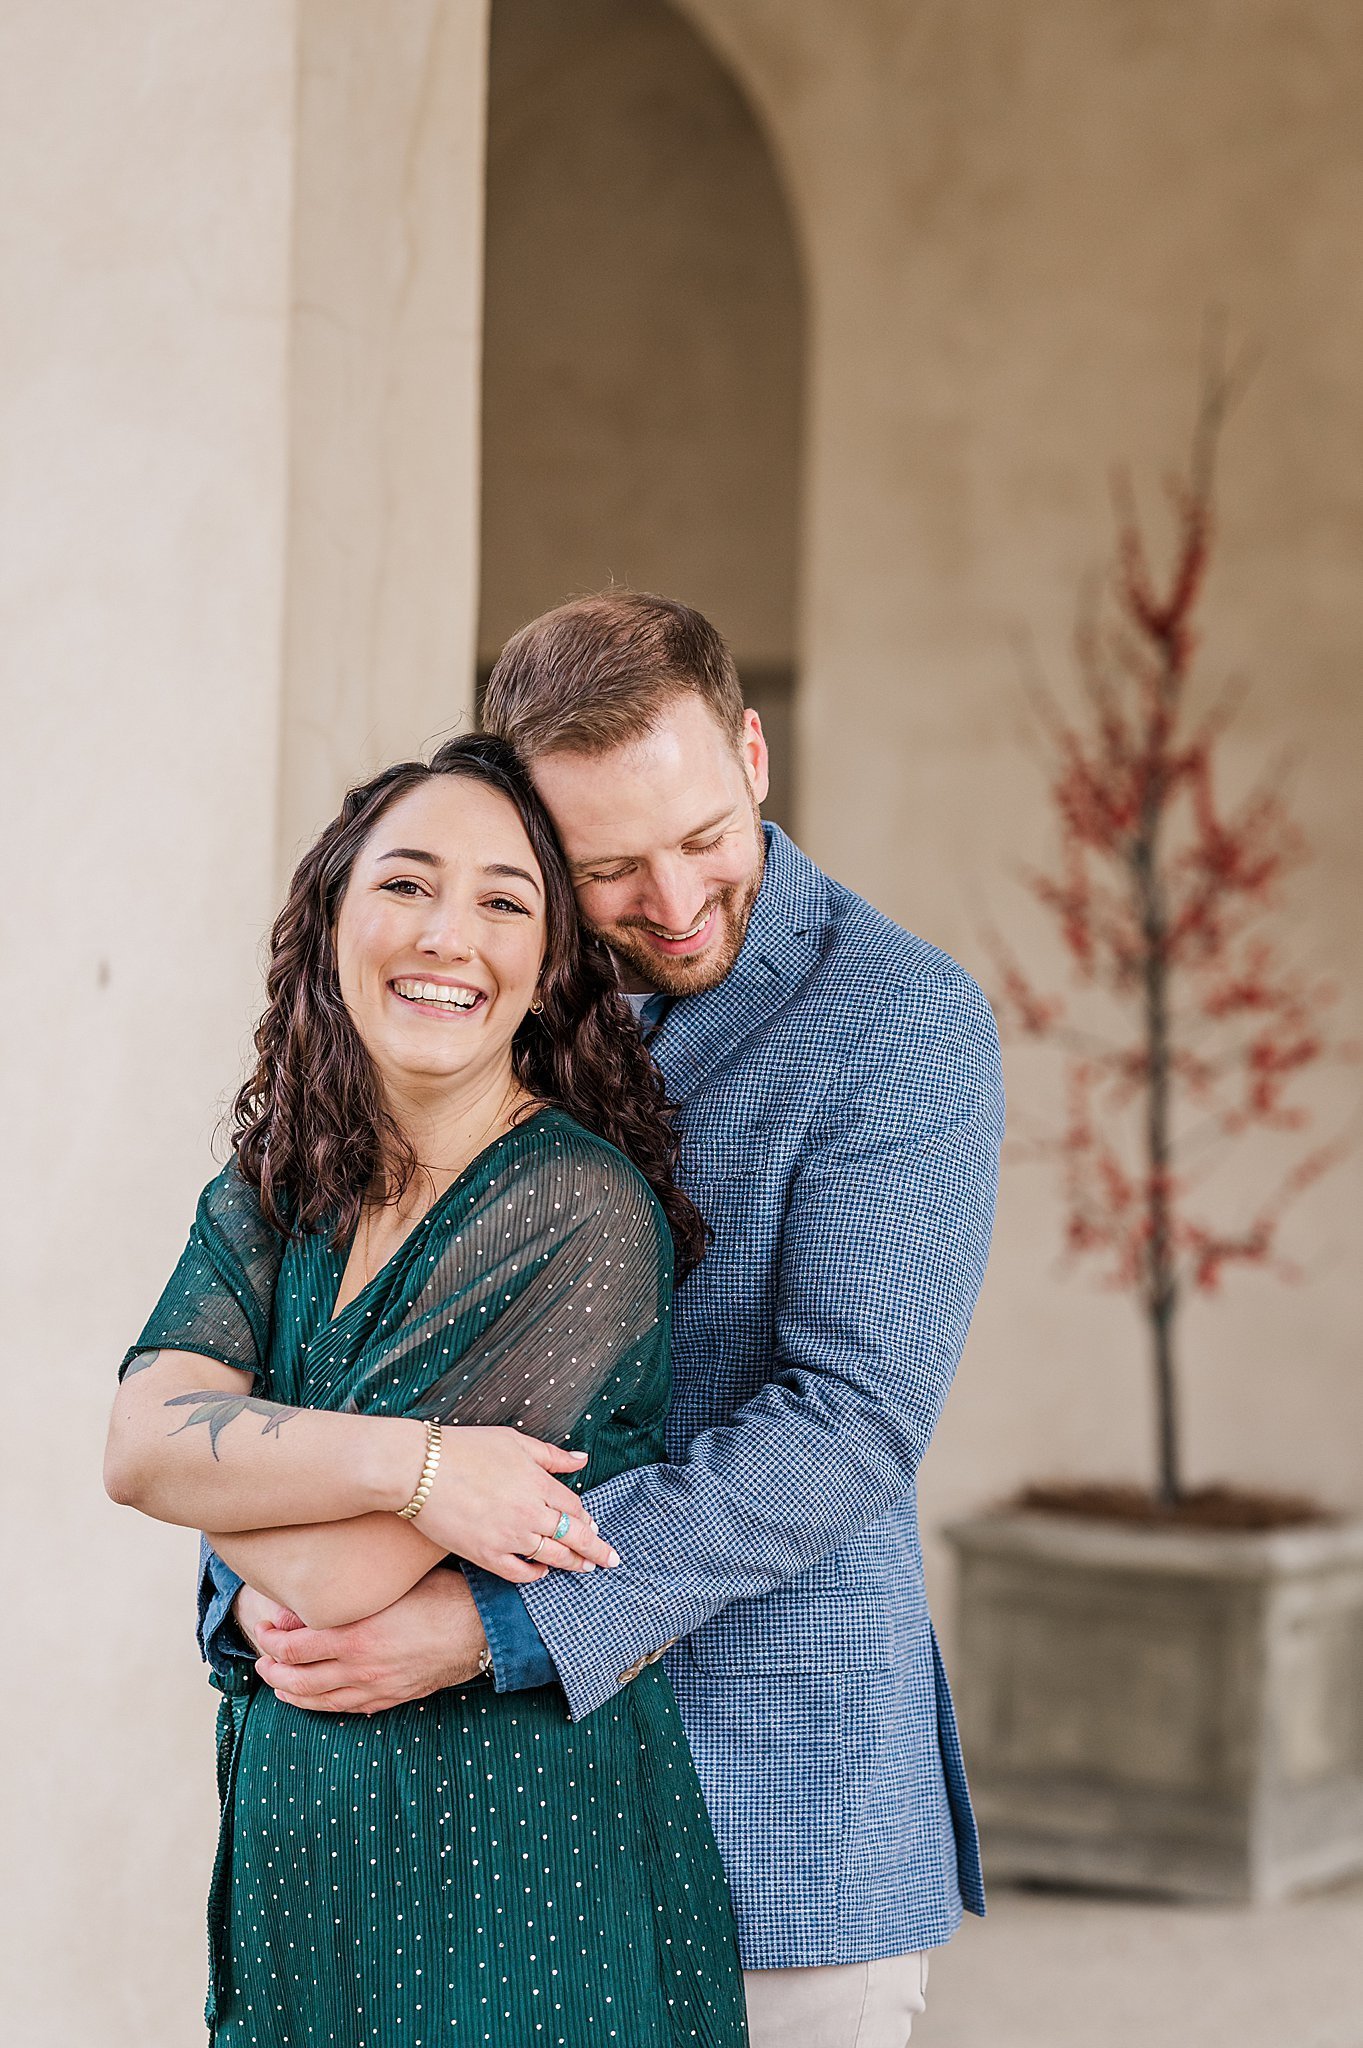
<point>340,1259</point>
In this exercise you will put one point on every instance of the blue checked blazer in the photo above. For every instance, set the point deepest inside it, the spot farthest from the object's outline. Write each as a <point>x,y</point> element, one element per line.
<point>841,1111</point>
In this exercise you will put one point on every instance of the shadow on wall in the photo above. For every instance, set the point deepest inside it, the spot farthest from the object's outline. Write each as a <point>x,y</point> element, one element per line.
<point>643,339</point>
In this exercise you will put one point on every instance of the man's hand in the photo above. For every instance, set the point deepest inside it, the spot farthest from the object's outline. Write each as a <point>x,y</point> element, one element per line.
<point>430,1638</point>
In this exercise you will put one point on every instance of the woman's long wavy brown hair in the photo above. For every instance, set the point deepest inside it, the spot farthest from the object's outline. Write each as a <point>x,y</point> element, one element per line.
<point>312,1132</point>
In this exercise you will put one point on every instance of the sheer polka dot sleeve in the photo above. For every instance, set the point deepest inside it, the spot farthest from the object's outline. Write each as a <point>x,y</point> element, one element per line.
<point>218,1300</point>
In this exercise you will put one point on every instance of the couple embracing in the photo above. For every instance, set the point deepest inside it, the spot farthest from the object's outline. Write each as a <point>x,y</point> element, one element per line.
<point>549,1371</point>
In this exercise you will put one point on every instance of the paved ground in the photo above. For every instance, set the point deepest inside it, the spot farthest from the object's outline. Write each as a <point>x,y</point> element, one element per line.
<point>1049,1970</point>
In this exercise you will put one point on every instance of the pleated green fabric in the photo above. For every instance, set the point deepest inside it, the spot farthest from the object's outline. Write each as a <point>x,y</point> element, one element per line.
<point>472,1868</point>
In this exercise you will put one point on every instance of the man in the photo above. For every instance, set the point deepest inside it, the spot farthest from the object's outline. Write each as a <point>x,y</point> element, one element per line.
<point>841,1114</point>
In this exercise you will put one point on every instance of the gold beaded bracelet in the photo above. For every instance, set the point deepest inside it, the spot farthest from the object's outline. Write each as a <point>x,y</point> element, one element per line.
<point>427,1479</point>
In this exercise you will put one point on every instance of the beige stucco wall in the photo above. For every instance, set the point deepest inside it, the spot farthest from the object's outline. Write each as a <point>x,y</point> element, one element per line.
<point>386,332</point>
<point>1015,221</point>
<point>162,481</point>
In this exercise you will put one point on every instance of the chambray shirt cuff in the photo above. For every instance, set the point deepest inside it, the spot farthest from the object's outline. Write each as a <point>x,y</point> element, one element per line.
<point>220,1646</point>
<point>519,1658</point>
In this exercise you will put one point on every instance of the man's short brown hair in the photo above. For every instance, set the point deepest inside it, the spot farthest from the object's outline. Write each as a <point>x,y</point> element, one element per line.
<point>595,674</point>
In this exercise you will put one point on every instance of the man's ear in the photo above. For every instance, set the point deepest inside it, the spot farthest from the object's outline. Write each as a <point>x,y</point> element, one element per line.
<point>753,754</point>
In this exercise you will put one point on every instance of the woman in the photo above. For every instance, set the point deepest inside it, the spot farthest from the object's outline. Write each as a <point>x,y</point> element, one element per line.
<point>423,1222</point>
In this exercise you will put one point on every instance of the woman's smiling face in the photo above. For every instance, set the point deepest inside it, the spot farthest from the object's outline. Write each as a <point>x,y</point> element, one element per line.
<point>440,935</point>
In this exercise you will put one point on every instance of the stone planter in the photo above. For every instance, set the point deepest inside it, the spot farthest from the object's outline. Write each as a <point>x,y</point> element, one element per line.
<point>1165,1711</point>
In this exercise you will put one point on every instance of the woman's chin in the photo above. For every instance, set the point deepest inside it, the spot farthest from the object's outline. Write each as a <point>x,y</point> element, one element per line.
<point>403,1069</point>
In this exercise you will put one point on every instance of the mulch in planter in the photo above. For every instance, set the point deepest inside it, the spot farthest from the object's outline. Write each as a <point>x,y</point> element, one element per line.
<point>1202,1507</point>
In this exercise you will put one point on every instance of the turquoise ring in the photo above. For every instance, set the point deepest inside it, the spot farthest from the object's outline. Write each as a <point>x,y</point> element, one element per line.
<point>565,1523</point>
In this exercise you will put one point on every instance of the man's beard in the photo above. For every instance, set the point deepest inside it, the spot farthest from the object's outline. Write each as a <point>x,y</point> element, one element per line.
<point>678,976</point>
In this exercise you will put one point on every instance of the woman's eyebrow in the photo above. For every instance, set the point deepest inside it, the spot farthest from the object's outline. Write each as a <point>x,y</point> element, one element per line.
<point>433,860</point>
<point>497,867</point>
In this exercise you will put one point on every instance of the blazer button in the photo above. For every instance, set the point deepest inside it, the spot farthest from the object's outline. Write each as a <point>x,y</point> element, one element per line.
<point>632,1671</point>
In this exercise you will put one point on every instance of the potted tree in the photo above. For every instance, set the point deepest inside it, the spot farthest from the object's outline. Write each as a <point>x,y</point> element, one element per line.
<point>1162,1688</point>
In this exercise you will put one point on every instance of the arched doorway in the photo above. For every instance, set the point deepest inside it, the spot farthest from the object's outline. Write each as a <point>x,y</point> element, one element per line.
<point>643,329</point>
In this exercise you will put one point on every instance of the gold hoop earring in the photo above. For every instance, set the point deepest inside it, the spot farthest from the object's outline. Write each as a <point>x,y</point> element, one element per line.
<point>536,1007</point>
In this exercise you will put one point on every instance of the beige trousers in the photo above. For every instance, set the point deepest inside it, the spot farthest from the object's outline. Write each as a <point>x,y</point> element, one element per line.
<point>845,2005</point>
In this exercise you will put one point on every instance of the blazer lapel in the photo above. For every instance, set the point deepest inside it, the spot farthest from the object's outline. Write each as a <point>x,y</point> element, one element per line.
<point>779,948</point>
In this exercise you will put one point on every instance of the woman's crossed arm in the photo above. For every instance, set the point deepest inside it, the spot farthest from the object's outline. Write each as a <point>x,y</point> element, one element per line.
<point>189,1443</point>
<point>330,1573</point>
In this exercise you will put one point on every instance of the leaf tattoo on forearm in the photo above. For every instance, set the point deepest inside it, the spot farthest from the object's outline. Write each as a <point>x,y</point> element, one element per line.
<point>217,1410</point>
<point>140,1363</point>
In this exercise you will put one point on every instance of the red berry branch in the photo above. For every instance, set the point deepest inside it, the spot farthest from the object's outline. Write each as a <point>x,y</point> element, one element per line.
<point>1162,895</point>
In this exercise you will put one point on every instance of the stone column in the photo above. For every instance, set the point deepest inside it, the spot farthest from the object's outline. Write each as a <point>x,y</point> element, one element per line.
<point>145,247</point>
<point>236,441</point>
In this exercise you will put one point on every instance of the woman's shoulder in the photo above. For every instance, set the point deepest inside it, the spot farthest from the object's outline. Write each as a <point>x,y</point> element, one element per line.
<point>232,1204</point>
<point>589,1171</point>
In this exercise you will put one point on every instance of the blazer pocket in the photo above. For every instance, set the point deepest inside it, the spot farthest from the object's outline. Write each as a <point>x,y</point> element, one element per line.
<point>718,1162</point>
<point>828,1630</point>
<point>743,1196</point>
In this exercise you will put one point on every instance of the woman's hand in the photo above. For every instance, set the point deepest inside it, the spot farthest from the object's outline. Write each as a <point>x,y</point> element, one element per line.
<point>494,1500</point>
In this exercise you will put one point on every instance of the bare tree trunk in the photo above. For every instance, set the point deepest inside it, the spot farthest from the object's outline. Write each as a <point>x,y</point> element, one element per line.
<point>1161,1291</point>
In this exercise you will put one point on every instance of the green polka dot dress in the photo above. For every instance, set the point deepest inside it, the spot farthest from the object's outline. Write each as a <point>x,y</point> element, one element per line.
<point>471,1869</point>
